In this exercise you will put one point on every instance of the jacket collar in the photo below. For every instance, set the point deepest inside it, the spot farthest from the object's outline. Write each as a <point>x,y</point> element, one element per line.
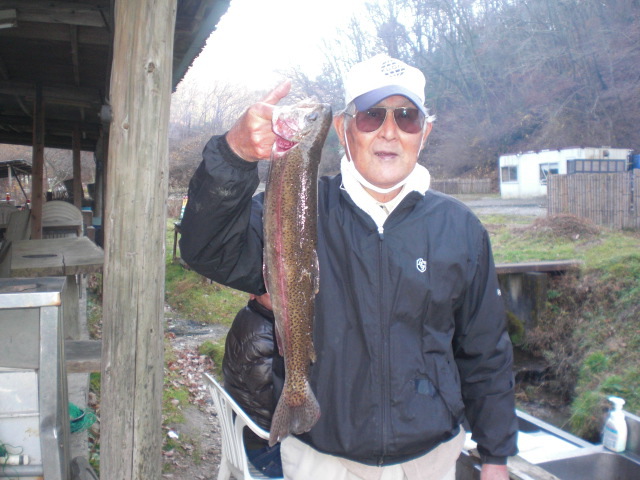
<point>260,309</point>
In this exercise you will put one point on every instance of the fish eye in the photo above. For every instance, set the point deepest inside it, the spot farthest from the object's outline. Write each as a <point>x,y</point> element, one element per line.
<point>313,116</point>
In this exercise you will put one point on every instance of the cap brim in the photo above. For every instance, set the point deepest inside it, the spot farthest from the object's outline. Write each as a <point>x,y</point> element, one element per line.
<point>369,99</point>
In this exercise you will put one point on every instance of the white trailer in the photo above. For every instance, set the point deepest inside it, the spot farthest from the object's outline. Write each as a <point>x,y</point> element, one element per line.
<point>524,175</point>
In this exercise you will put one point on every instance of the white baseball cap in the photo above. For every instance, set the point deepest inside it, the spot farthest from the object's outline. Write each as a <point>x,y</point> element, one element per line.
<point>371,81</point>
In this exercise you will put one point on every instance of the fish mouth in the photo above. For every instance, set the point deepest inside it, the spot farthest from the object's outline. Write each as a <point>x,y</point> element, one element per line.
<point>286,130</point>
<point>291,124</point>
<point>282,145</point>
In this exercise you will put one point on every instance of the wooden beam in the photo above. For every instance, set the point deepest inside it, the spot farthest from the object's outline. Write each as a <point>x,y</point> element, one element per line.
<point>56,94</point>
<point>45,11</point>
<point>83,356</point>
<point>553,266</point>
<point>101,157</point>
<point>73,34</point>
<point>134,228</point>
<point>64,142</point>
<point>54,125</point>
<point>38,177</point>
<point>59,33</point>
<point>77,170</point>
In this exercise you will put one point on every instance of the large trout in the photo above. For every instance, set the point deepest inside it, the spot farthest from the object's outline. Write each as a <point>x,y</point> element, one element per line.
<point>290,260</point>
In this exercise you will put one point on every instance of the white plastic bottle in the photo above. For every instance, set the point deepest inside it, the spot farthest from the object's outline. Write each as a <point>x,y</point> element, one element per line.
<point>615,429</point>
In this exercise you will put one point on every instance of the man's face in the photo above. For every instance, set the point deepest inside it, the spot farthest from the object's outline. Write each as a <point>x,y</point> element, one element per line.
<point>387,155</point>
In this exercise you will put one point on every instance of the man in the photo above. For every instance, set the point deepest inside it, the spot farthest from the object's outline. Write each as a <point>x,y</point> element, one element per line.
<point>253,375</point>
<point>409,329</point>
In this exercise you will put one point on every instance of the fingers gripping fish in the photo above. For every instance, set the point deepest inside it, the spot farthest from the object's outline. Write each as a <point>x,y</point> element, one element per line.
<point>290,260</point>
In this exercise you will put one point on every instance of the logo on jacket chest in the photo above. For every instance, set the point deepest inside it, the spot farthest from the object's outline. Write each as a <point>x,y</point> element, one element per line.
<point>421,265</point>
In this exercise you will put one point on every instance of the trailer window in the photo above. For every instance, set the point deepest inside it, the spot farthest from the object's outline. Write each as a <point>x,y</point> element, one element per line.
<point>509,174</point>
<point>547,169</point>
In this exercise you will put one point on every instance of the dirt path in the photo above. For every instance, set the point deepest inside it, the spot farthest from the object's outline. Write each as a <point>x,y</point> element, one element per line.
<point>199,435</point>
<point>534,207</point>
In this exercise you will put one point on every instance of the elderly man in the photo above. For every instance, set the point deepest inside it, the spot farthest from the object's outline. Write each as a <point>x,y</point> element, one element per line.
<point>410,327</point>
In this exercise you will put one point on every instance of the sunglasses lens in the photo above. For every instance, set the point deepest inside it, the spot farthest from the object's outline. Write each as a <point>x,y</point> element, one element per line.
<point>370,120</point>
<point>409,120</point>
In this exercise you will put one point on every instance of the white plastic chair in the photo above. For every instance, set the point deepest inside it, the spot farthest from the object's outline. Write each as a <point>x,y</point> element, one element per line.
<point>61,219</point>
<point>234,458</point>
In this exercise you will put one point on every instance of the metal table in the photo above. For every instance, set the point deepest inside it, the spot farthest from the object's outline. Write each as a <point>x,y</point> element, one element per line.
<point>34,403</point>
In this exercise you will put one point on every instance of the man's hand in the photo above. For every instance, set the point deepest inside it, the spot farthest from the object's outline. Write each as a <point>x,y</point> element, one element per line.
<point>252,137</point>
<point>494,472</point>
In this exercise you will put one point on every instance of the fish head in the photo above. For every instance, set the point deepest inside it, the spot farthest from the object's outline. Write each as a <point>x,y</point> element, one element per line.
<point>302,122</point>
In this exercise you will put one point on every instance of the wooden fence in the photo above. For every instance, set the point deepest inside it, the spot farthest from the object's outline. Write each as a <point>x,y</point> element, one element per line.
<point>455,186</point>
<point>608,199</point>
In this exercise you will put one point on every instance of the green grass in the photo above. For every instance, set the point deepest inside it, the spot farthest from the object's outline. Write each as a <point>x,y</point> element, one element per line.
<point>175,395</point>
<point>215,350</point>
<point>513,240</point>
<point>199,299</point>
<point>196,297</point>
<point>590,332</point>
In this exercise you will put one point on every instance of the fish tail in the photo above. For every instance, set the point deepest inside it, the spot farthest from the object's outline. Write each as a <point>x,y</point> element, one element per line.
<point>294,419</point>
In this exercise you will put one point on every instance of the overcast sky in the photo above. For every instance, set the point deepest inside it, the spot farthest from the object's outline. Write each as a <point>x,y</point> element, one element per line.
<point>257,37</point>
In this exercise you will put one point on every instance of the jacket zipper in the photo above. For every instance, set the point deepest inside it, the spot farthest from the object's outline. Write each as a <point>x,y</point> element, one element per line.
<point>384,360</point>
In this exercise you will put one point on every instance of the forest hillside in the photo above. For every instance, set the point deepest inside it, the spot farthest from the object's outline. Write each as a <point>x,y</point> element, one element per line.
<point>503,76</point>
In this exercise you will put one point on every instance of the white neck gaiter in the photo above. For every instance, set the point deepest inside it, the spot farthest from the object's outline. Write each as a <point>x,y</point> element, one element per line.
<point>418,180</point>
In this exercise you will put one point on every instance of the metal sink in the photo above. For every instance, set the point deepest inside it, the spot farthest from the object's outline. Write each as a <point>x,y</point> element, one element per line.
<point>593,463</point>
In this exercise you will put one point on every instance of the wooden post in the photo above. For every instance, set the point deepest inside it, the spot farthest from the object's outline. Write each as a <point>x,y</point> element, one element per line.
<point>134,228</point>
<point>37,189</point>
<point>99,187</point>
<point>77,170</point>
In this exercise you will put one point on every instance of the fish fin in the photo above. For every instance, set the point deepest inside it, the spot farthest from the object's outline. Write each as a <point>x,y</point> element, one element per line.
<point>299,419</point>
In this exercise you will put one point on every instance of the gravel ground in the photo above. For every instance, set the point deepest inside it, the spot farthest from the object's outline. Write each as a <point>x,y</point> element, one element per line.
<point>199,435</point>
<point>536,207</point>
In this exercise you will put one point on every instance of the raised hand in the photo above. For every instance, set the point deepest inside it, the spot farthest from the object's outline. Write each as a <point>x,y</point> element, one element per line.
<point>252,137</point>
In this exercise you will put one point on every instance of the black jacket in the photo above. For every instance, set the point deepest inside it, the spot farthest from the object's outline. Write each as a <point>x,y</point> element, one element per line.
<point>410,327</point>
<point>253,369</point>
<point>247,365</point>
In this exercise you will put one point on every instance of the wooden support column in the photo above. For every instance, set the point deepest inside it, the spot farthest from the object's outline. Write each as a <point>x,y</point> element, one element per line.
<point>38,177</point>
<point>77,170</point>
<point>134,243</point>
<point>98,189</point>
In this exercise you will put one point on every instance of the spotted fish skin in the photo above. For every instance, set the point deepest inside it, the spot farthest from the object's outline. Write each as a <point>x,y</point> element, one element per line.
<point>290,259</point>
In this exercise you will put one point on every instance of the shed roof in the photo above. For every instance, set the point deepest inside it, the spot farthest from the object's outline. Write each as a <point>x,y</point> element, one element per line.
<point>66,47</point>
<point>18,167</point>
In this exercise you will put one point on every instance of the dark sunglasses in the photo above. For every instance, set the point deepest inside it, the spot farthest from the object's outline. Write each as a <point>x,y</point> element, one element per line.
<point>409,120</point>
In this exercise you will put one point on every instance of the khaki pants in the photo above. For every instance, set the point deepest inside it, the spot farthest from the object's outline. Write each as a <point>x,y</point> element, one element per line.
<point>301,462</point>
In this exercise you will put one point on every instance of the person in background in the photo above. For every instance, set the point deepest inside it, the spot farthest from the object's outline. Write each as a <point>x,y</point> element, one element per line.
<point>253,372</point>
<point>410,331</point>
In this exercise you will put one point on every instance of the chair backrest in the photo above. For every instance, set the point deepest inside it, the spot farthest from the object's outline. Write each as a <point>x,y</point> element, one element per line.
<point>61,219</point>
<point>233,420</point>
